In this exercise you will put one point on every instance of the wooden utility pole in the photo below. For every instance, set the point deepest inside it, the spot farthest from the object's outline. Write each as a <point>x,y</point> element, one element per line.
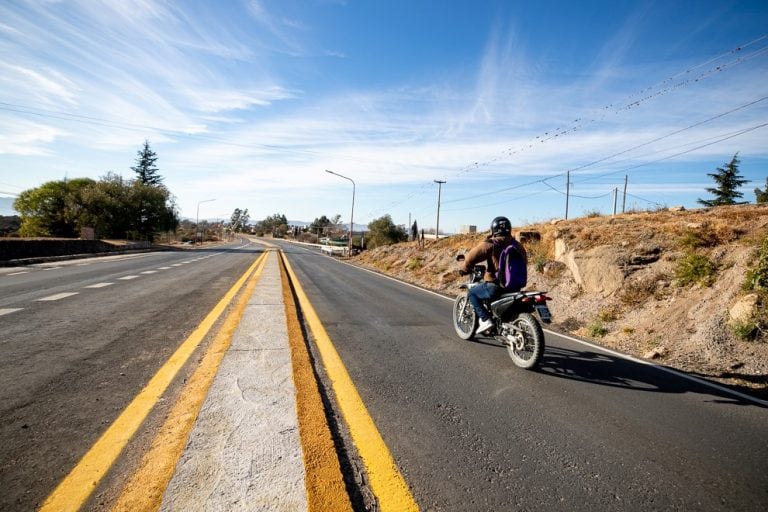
<point>437,227</point>
<point>624,197</point>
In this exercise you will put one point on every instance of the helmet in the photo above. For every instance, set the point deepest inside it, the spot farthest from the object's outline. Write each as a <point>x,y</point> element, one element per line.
<point>501,226</point>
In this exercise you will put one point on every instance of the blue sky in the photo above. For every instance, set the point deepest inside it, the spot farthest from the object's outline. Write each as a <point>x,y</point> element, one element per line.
<point>248,102</point>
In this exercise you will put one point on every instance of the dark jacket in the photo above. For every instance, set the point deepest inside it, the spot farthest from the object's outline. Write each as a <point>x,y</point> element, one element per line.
<point>489,251</point>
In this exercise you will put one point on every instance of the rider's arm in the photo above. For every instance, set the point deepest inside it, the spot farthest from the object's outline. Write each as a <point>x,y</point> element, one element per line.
<point>478,254</point>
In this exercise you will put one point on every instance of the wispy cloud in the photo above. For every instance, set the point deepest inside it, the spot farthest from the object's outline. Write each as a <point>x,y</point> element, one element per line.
<point>21,137</point>
<point>213,101</point>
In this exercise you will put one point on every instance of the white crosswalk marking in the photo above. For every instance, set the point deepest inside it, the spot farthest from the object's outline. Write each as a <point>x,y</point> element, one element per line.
<point>149,272</point>
<point>127,278</point>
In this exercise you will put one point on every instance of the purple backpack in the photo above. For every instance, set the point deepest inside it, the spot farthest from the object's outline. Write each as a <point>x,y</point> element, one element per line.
<point>513,269</point>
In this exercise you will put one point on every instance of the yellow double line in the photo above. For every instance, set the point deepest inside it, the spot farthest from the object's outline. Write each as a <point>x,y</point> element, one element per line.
<point>80,483</point>
<point>386,481</point>
<point>325,487</point>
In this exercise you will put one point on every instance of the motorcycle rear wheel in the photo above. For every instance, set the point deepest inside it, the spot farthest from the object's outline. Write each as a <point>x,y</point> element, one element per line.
<point>464,317</point>
<point>526,344</point>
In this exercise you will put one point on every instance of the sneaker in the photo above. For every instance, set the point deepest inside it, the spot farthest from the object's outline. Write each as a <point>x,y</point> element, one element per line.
<point>484,325</point>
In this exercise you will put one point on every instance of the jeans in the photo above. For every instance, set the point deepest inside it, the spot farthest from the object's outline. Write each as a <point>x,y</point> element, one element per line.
<point>477,294</point>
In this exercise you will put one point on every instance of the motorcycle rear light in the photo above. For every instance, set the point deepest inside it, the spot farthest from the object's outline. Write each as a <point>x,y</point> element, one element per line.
<point>541,299</point>
<point>525,299</point>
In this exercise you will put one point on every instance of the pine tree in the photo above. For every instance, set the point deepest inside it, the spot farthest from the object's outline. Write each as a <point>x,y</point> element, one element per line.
<point>728,180</point>
<point>762,195</point>
<point>145,166</point>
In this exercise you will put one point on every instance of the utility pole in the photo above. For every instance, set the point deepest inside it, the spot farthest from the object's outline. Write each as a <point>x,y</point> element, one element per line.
<point>615,199</point>
<point>439,189</point>
<point>624,197</point>
<point>567,191</point>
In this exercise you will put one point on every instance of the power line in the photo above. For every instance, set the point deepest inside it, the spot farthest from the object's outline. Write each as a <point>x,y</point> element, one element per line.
<point>711,142</point>
<point>595,162</point>
<point>643,199</point>
<point>670,134</point>
<point>625,105</point>
<point>721,138</point>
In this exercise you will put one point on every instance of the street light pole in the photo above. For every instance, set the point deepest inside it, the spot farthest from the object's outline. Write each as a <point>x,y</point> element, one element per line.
<point>197,220</point>
<point>437,227</point>
<point>351,215</point>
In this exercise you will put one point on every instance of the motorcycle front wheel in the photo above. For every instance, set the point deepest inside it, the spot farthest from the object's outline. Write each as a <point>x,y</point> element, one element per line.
<point>525,341</point>
<point>464,317</point>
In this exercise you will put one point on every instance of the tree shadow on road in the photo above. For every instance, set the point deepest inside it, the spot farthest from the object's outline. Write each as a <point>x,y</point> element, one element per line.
<point>608,370</point>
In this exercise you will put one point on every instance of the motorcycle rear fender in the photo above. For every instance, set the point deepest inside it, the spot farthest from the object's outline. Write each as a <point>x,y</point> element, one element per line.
<point>507,302</point>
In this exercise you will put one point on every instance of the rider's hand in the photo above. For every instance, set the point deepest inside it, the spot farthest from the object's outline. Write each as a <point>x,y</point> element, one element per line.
<point>463,272</point>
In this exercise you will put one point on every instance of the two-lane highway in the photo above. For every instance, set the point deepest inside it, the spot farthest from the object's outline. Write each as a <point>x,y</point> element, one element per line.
<point>590,431</point>
<point>79,339</point>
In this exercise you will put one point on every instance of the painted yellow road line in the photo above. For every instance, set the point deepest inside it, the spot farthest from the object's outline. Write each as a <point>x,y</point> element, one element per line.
<point>78,485</point>
<point>322,471</point>
<point>387,483</point>
<point>144,491</point>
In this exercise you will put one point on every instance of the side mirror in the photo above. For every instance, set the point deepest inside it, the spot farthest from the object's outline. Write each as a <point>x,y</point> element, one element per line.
<point>460,257</point>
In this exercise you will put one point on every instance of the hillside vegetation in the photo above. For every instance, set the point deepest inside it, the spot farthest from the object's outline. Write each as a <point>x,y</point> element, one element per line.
<point>686,288</point>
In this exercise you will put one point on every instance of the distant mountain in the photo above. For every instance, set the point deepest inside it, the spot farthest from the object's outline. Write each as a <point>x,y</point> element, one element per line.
<point>6,206</point>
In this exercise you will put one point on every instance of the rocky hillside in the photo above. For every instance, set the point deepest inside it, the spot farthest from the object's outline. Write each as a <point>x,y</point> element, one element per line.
<point>667,285</point>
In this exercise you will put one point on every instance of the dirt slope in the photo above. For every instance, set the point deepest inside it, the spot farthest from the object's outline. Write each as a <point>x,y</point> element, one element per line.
<point>615,281</point>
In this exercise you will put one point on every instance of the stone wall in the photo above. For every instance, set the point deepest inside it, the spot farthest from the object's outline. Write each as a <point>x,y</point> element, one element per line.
<point>20,248</point>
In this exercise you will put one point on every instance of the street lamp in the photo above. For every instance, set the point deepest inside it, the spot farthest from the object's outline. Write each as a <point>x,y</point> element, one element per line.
<point>351,215</point>
<point>197,221</point>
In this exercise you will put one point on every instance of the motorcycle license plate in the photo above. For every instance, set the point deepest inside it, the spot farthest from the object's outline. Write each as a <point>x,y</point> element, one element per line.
<point>544,313</point>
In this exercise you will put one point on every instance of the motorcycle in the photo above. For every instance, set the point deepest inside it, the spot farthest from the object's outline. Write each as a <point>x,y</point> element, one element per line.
<point>516,316</point>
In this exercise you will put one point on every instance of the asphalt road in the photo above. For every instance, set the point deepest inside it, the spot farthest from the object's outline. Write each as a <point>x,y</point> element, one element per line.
<point>78,340</point>
<point>589,431</point>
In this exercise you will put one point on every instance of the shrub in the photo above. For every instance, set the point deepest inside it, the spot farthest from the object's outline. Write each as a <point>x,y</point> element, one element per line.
<point>597,329</point>
<point>695,239</point>
<point>637,291</point>
<point>414,264</point>
<point>695,268</point>
<point>608,314</point>
<point>537,255</point>
<point>746,331</point>
<point>757,278</point>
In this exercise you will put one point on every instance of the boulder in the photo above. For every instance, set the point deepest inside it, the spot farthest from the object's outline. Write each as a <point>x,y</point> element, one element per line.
<point>596,270</point>
<point>745,309</point>
<point>656,353</point>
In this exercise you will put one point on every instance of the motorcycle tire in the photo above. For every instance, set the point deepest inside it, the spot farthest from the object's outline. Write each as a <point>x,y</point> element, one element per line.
<point>464,317</point>
<point>527,350</point>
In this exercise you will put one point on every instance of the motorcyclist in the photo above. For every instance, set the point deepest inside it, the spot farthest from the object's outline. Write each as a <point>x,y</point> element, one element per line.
<point>489,250</point>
